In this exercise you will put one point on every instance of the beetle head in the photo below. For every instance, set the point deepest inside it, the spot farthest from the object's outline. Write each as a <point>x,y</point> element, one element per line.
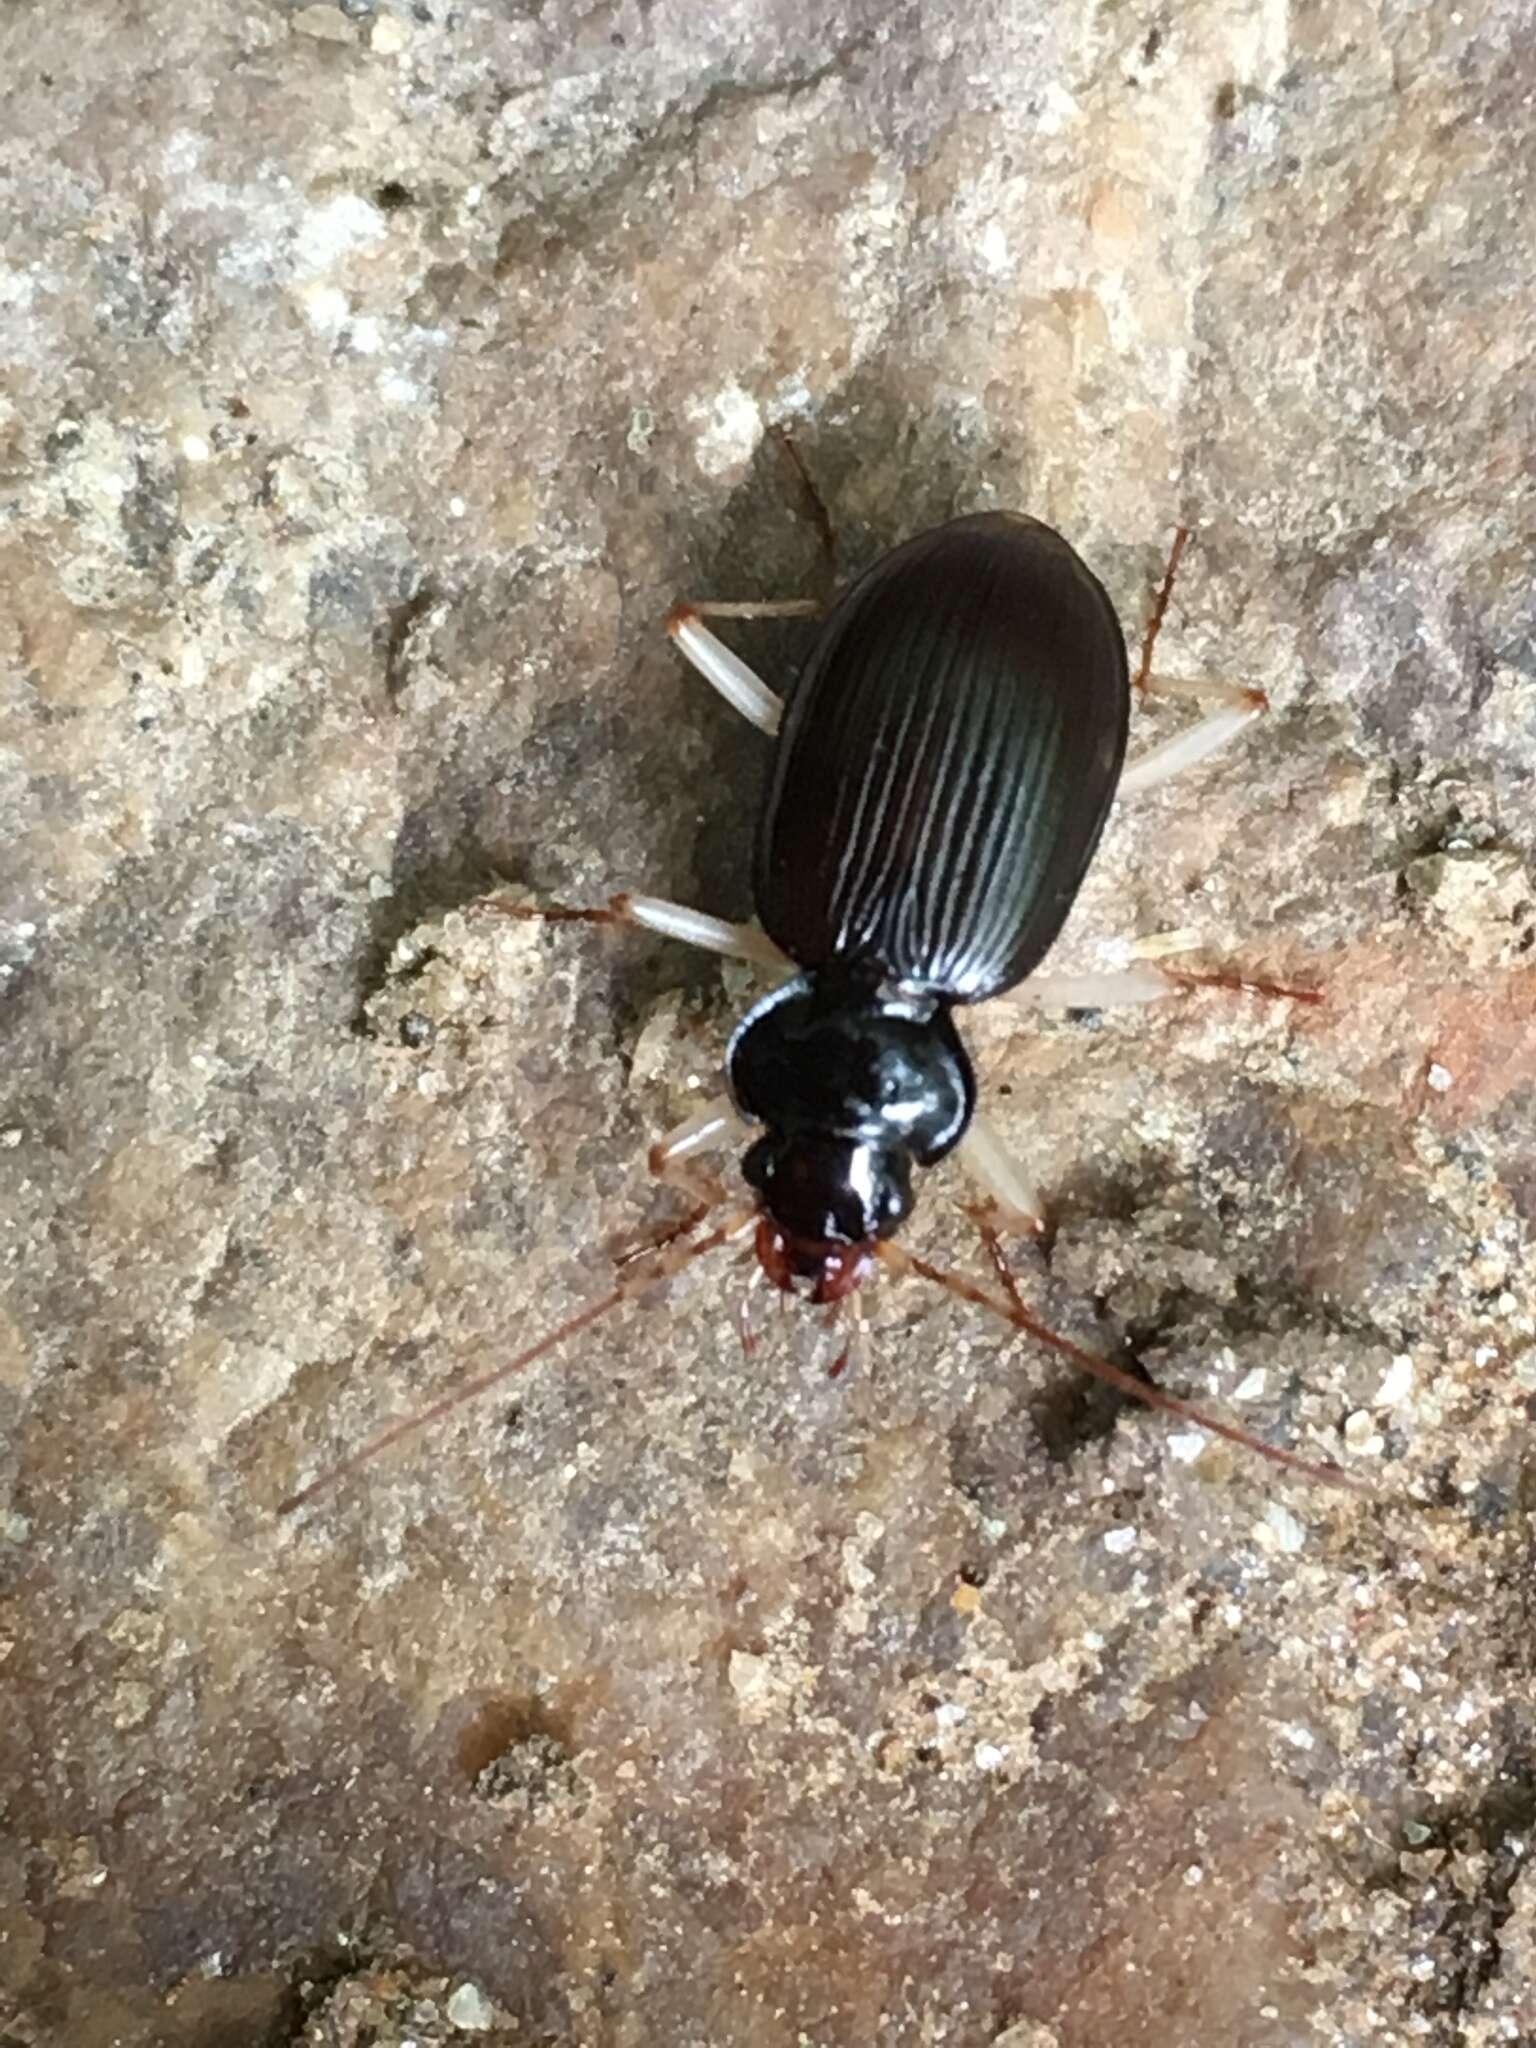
<point>825,1202</point>
<point>830,1271</point>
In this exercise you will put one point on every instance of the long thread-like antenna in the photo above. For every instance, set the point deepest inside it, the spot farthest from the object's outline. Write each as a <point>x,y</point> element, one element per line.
<point>1012,1310</point>
<point>671,1259</point>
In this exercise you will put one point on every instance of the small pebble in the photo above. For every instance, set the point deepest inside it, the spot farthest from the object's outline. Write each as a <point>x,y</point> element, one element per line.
<point>470,2010</point>
<point>390,36</point>
<point>1439,1078</point>
<point>326,24</point>
<point>1396,1383</point>
<point>1286,1532</point>
<point>1361,1434</point>
<point>1119,1541</point>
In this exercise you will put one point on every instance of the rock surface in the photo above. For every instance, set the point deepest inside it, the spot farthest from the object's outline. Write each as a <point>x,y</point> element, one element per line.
<point>372,379</point>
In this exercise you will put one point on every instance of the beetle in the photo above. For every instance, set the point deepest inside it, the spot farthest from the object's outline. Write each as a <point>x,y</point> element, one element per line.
<point>939,787</point>
<point>940,783</point>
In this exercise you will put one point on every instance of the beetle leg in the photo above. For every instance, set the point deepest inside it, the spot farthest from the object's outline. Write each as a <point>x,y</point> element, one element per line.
<point>1172,756</point>
<point>697,928</point>
<point>673,1160</point>
<point>749,608</point>
<point>1160,606</point>
<point>1142,982</point>
<point>656,914</point>
<point>1243,984</point>
<point>995,1171</point>
<point>1238,706</point>
<point>1113,989</point>
<point>721,667</point>
<point>1011,1307</point>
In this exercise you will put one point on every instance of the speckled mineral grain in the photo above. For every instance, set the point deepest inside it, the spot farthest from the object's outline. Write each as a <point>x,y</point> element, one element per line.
<point>372,379</point>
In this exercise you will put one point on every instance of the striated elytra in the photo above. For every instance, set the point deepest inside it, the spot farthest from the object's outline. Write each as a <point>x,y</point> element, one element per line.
<point>940,783</point>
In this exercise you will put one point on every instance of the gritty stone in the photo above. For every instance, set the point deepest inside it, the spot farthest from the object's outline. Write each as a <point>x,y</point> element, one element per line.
<point>1281,1530</point>
<point>389,36</point>
<point>470,2010</point>
<point>326,23</point>
<point>1187,1445</point>
<point>1397,1382</point>
<point>1361,1434</point>
<point>373,381</point>
<point>1483,897</point>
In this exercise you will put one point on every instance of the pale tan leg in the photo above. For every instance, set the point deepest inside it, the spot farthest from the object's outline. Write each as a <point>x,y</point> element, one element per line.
<point>1011,1196</point>
<point>1238,710</point>
<point>1237,707</point>
<point>674,1160</point>
<point>717,1123</point>
<point>1142,982</point>
<point>656,914</point>
<point>1113,989</point>
<point>721,666</point>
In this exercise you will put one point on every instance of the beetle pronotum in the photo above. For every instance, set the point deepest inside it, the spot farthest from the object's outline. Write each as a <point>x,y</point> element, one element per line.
<point>940,783</point>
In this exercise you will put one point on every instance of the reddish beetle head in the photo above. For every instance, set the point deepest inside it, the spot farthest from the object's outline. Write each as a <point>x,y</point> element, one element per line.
<point>834,1270</point>
<point>826,1200</point>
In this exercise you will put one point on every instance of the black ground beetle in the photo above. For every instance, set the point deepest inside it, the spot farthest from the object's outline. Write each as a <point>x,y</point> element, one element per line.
<point>940,782</point>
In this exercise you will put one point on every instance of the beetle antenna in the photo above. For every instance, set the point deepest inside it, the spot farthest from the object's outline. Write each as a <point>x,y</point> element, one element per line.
<point>1012,1310</point>
<point>1160,605</point>
<point>669,1259</point>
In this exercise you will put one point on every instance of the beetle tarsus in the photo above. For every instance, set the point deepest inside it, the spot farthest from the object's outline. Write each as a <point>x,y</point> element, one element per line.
<point>1160,605</point>
<point>1243,984</point>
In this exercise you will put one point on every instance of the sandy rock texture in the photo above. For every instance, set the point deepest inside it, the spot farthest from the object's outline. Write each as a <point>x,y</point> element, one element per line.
<point>372,380</point>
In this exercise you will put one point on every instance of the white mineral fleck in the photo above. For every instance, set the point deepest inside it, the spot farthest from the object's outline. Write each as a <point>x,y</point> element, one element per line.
<point>1396,1382</point>
<point>730,428</point>
<point>1361,1434</point>
<point>470,2010</point>
<point>1283,1529</point>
